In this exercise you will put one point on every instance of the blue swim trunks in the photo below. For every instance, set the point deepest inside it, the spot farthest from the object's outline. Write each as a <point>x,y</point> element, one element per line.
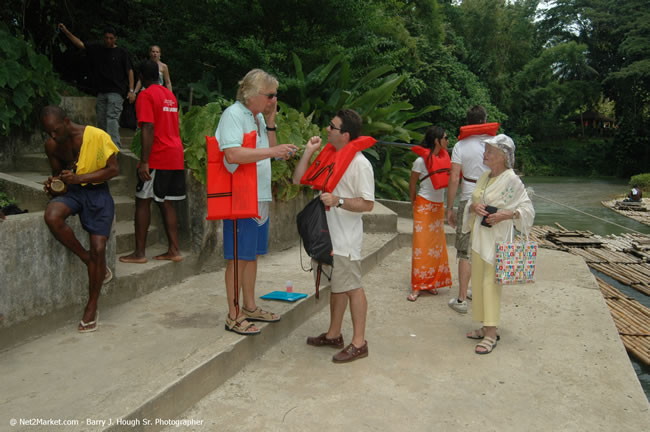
<point>94,204</point>
<point>252,239</point>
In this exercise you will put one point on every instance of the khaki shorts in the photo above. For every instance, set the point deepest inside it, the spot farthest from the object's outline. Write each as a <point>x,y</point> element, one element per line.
<point>346,274</point>
<point>463,241</point>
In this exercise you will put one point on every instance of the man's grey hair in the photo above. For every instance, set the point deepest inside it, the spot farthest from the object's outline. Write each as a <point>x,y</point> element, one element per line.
<point>254,81</point>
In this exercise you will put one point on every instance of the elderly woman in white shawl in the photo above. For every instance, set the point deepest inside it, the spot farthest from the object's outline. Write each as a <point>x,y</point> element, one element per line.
<point>499,188</point>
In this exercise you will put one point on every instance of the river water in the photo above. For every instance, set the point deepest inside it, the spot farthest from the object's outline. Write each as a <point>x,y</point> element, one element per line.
<point>584,195</point>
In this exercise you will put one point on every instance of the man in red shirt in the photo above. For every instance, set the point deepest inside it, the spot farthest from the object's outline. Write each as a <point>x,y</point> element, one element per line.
<point>161,169</point>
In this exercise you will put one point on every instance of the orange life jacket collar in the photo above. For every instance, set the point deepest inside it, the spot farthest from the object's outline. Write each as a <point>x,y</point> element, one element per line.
<point>330,165</point>
<point>478,129</point>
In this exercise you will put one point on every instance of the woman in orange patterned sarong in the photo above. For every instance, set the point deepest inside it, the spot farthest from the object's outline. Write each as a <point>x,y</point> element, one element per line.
<point>430,265</point>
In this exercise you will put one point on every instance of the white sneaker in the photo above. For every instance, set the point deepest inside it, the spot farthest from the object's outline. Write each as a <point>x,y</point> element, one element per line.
<point>469,294</point>
<point>460,307</point>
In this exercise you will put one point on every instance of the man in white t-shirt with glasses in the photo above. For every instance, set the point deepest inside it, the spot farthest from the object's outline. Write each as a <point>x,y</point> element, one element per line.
<point>352,195</point>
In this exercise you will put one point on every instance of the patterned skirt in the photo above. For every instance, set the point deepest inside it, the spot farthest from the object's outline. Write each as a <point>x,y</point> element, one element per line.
<point>430,265</point>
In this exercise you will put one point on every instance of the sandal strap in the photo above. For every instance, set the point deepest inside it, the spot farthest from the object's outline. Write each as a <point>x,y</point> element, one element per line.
<point>487,343</point>
<point>258,313</point>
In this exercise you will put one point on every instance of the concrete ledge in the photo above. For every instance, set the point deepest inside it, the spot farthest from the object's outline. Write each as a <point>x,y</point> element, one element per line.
<point>380,219</point>
<point>404,209</point>
<point>28,194</point>
<point>190,388</point>
<point>39,276</point>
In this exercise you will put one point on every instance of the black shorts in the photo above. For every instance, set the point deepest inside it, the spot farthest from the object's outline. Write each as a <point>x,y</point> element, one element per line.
<point>165,185</point>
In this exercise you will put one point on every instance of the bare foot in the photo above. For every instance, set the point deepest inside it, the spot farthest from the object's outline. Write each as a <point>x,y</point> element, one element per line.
<point>133,259</point>
<point>169,257</point>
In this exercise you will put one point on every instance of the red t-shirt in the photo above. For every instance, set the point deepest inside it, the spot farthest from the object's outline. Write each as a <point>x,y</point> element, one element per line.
<point>158,105</point>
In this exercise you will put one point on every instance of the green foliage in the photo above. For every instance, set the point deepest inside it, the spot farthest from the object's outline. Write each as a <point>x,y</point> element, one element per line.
<point>195,125</point>
<point>6,200</point>
<point>642,181</point>
<point>293,128</point>
<point>393,172</point>
<point>560,157</point>
<point>616,35</point>
<point>26,83</point>
<point>551,89</point>
<point>328,88</point>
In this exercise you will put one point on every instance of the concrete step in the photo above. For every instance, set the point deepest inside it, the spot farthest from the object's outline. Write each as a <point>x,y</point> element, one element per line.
<point>125,236</point>
<point>26,187</point>
<point>124,208</point>
<point>126,142</point>
<point>32,162</point>
<point>121,185</point>
<point>155,356</point>
<point>380,219</point>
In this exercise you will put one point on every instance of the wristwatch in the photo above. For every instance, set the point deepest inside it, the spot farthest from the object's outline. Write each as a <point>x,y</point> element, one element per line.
<point>340,204</point>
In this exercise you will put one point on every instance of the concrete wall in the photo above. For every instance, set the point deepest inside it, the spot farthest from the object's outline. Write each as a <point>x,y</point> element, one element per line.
<point>402,208</point>
<point>38,275</point>
<point>80,109</point>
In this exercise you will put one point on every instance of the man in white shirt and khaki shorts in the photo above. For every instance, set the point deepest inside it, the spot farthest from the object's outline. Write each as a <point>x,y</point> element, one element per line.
<point>353,195</point>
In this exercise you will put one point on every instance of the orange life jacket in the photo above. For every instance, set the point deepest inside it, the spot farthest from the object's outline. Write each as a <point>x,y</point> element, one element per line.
<point>478,129</point>
<point>438,165</point>
<point>224,200</point>
<point>330,165</point>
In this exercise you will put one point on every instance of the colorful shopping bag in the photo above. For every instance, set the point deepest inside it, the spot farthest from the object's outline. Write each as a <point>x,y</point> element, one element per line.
<point>515,262</point>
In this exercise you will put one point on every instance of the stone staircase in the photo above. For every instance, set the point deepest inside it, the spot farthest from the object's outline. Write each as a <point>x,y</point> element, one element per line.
<point>28,173</point>
<point>35,168</point>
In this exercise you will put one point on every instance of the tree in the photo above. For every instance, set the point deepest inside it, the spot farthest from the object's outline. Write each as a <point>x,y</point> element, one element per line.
<point>616,34</point>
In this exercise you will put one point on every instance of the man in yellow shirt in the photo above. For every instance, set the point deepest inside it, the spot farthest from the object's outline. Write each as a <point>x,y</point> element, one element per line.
<point>84,158</point>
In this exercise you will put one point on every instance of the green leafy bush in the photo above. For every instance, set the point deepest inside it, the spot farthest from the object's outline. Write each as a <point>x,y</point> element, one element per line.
<point>5,200</point>
<point>642,181</point>
<point>27,82</point>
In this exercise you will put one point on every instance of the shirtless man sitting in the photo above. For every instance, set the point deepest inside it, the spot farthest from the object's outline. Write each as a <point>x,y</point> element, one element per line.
<point>84,158</point>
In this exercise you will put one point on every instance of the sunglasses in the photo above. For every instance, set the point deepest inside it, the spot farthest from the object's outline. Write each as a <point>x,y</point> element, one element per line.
<point>334,127</point>
<point>270,95</point>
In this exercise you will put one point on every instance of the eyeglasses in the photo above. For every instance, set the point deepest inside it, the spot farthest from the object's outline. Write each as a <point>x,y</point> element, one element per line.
<point>270,95</point>
<point>445,137</point>
<point>334,127</point>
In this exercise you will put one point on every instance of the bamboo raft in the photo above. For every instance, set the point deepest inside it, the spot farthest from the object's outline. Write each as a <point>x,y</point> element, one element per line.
<point>639,213</point>
<point>624,258</point>
<point>632,320</point>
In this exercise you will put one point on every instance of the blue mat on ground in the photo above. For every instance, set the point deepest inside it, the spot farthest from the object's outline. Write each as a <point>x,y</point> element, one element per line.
<point>284,296</point>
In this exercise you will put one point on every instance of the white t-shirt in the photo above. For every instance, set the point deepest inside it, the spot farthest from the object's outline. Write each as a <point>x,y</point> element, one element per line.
<point>346,227</point>
<point>426,190</point>
<point>469,154</point>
